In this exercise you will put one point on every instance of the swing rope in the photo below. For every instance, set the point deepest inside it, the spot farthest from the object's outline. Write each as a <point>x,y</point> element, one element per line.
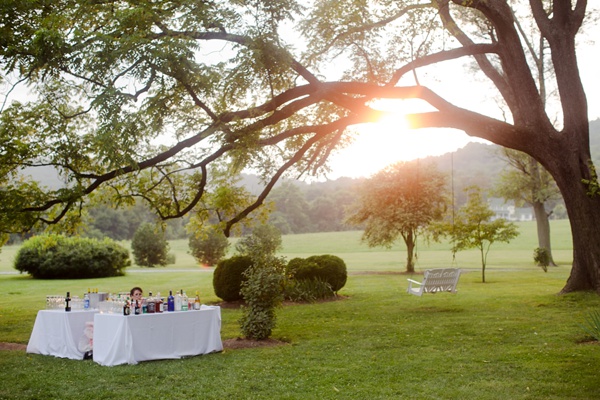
<point>416,255</point>
<point>453,263</point>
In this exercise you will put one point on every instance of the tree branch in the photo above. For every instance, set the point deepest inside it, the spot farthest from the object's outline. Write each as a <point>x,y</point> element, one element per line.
<point>445,55</point>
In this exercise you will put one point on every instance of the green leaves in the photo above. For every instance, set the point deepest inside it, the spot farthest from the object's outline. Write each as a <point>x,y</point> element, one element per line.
<point>592,324</point>
<point>149,246</point>
<point>473,227</point>
<point>398,202</point>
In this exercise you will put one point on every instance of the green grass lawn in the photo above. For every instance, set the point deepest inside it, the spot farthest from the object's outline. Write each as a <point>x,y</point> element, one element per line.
<point>510,338</point>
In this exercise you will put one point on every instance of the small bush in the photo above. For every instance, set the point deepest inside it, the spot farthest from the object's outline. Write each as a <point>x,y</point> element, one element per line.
<point>542,258</point>
<point>592,324</point>
<point>328,268</point>
<point>228,277</point>
<point>299,266</point>
<point>307,290</point>
<point>171,259</point>
<point>150,247</point>
<point>262,291</point>
<point>60,257</point>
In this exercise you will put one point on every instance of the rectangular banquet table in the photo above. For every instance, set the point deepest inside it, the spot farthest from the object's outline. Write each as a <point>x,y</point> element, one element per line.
<point>120,339</point>
<point>58,333</point>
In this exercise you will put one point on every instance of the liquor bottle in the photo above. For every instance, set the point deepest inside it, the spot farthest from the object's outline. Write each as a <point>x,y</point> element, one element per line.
<point>184,301</point>
<point>151,304</point>
<point>126,308</point>
<point>177,301</point>
<point>197,301</point>
<point>137,309</point>
<point>171,302</point>
<point>159,303</point>
<point>68,302</point>
<point>86,300</point>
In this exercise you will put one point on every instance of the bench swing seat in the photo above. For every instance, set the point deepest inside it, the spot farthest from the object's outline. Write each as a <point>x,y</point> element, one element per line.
<point>435,280</point>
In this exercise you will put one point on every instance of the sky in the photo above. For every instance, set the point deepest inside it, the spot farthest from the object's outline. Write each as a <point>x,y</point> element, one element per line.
<point>367,155</point>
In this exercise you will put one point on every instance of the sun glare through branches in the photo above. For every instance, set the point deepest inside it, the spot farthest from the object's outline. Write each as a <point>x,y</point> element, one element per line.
<point>389,140</point>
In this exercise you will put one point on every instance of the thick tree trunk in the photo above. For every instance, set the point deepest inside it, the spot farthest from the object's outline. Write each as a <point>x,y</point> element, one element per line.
<point>584,215</point>
<point>410,250</point>
<point>543,229</point>
<point>483,263</point>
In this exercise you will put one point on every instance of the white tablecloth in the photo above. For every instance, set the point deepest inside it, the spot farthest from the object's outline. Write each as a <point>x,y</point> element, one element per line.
<point>57,333</point>
<point>120,339</point>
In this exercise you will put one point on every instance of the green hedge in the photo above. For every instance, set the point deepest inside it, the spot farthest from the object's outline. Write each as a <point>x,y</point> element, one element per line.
<point>327,268</point>
<point>228,277</point>
<point>60,257</point>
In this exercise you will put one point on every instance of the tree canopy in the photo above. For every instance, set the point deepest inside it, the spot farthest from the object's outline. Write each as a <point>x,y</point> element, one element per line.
<point>146,98</point>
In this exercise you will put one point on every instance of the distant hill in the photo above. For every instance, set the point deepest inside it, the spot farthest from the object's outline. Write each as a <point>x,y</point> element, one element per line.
<point>474,164</point>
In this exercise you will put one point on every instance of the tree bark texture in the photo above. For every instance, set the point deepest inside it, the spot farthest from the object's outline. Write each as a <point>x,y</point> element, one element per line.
<point>410,251</point>
<point>543,229</point>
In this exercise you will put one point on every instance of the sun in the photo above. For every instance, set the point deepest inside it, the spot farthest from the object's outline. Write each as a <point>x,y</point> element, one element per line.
<point>389,140</point>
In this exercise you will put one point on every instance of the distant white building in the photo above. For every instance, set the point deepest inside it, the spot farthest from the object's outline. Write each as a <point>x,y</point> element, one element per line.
<point>506,209</point>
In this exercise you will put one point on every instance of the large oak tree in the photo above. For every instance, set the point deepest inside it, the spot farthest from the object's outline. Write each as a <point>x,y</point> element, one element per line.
<point>222,81</point>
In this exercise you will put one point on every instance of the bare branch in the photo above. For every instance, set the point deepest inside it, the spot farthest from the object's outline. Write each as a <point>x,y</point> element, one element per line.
<point>441,56</point>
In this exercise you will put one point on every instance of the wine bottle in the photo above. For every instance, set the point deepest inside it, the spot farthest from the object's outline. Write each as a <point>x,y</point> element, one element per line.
<point>126,308</point>
<point>159,303</point>
<point>171,302</point>
<point>68,302</point>
<point>197,301</point>
<point>137,309</point>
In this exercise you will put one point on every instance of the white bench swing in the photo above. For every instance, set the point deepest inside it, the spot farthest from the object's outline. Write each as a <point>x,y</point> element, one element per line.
<point>440,279</point>
<point>435,280</point>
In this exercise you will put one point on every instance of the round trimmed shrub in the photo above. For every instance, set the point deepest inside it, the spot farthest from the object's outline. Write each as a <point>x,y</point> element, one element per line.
<point>327,267</point>
<point>229,275</point>
<point>298,264</point>
<point>60,257</point>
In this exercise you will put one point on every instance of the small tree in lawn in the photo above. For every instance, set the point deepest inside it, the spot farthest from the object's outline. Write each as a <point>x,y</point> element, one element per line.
<point>263,288</point>
<point>399,201</point>
<point>264,238</point>
<point>209,245</point>
<point>263,293</point>
<point>149,246</point>
<point>473,227</point>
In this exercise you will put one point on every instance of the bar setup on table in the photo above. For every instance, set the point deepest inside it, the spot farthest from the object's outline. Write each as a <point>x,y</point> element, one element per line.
<point>126,333</point>
<point>120,339</point>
